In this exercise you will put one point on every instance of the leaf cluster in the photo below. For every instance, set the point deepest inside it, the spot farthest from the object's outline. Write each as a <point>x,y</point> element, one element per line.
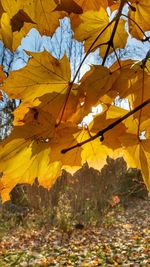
<point>52,106</point>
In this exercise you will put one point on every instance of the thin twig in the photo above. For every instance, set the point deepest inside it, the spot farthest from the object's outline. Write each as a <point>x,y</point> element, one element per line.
<point>109,127</point>
<point>110,43</point>
<point>126,16</point>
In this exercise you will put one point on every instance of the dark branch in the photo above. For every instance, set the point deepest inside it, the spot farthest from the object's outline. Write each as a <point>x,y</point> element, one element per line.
<point>110,43</point>
<point>109,127</point>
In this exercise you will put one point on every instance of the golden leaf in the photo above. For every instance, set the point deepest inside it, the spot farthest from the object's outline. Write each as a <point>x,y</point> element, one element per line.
<point>94,85</point>
<point>137,155</point>
<point>94,24</point>
<point>34,150</point>
<point>140,17</point>
<point>43,74</point>
<point>13,20</point>
<point>46,18</point>
<point>6,30</point>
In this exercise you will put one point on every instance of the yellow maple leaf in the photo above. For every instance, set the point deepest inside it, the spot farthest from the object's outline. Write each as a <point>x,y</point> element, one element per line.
<point>45,82</point>
<point>96,22</point>
<point>133,83</point>
<point>95,152</point>
<point>13,20</point>
<point>21,16</point>
<point>94,85</point>
<point>34,150</point>
<point>110,138</point>
<point>86,5</point>
<point>137,155</point>
<point>43,74</point>
<point>46,17</point>
<point>140,17</point>
<point>6,30</point>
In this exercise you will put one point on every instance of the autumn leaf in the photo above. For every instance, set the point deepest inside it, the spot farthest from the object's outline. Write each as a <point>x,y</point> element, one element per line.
<point>93,152</point>
<point>139,18</point>
<point>86,6</point>
<point>43,75</point>
<point>137,155</point>
<point>21,16</point>
<point>6,30</point>
<point>13,22</point>
<point>96,23</point>
<point>94,85</point>
<point>34,150</point>
<point>110,138</point>
<point>134,80</point>
<point>45,82</point>
<point>46,17</point>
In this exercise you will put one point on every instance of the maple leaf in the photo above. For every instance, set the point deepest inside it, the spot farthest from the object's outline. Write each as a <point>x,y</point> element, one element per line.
<point>94,24</point>
<point>134,80</point>
<point>86,5</point>
<point>12,7</point>
<point>43,75</point>
<point>93,152</point>
<point>139,14</point>
<point>94,85</point>
<point>96,151</point>
<point>45,82</point>
<point>15,22</point>
<point>6,30</point>
<point>34,150</point>
<point>137,155</point>
<point>46,18</point>
<point>21,16</point>
<point>110,138</point>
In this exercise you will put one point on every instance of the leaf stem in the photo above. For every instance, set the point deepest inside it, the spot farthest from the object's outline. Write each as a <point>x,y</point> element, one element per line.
<point>109,127</point>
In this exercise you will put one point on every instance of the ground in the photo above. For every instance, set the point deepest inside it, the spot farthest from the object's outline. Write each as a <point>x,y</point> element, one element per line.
<point>121,239</point>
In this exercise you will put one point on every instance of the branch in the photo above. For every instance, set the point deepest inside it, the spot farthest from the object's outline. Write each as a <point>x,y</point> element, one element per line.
<point>109,127</point>
<point>110,43</point>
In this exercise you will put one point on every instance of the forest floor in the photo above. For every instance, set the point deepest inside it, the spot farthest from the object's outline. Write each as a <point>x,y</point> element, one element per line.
<point>122,239</point>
